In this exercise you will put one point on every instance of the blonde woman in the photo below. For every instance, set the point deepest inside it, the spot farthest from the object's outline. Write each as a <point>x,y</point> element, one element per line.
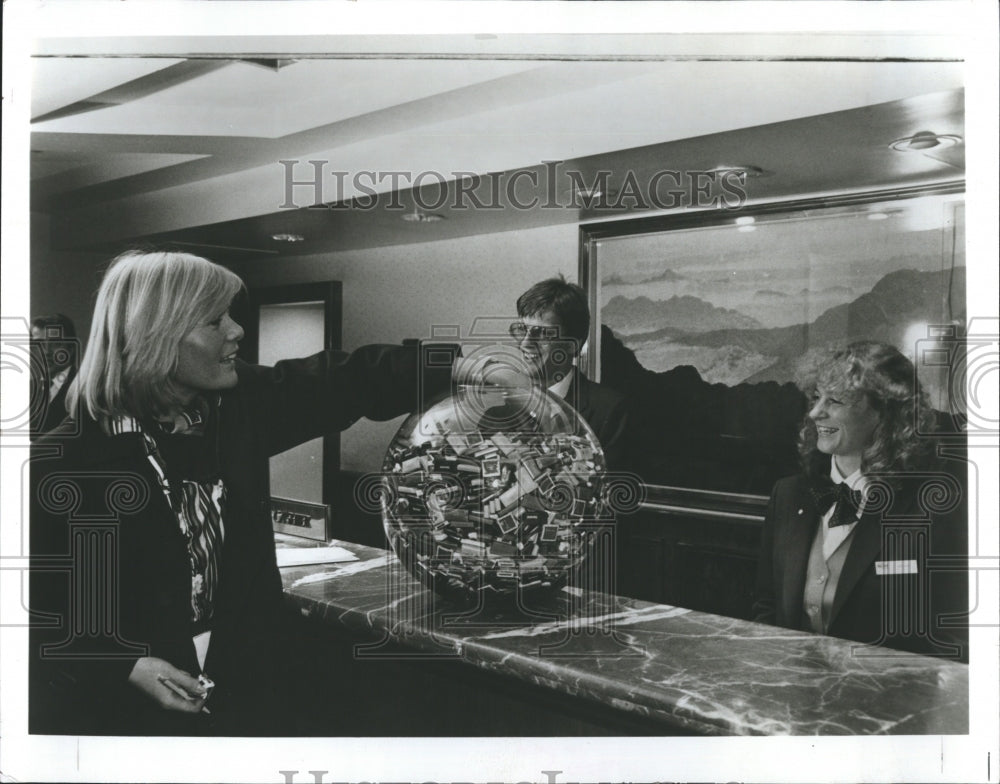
<point>868,542</point>
<point>172,449</point>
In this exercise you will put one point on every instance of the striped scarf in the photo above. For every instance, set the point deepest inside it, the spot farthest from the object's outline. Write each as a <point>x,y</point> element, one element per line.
<point>199,509</point>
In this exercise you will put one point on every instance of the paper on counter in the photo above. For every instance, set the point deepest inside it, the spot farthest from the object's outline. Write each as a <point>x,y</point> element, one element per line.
<point>304,556</point>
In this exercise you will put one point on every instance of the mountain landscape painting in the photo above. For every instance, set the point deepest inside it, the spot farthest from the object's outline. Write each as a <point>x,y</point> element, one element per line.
<point>744,307</point>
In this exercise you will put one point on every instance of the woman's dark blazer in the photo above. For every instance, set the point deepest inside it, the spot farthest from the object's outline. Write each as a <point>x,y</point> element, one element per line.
<point>84,482</point>
<point>919,517</point>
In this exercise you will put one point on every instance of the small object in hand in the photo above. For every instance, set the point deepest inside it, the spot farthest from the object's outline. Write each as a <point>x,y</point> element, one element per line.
<point>207,684</point>
<point>179,691</point>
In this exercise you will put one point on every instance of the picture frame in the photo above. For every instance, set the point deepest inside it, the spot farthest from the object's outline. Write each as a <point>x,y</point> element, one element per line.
<point>708,318</point>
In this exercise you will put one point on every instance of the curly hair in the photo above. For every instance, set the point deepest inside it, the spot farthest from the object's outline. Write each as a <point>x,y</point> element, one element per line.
<point>888,381</point>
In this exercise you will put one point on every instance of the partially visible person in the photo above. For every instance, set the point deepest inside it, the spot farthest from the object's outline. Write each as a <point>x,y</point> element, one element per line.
<point>53,341</point>
<point>869,542</point>
<point>553,325</point>
<point>168,464</point>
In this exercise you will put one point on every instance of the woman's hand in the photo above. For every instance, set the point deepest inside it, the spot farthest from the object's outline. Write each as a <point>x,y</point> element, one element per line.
<point>171,688</point>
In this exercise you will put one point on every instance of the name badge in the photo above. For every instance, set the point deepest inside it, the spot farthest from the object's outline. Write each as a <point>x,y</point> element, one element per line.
<point>895,567</point>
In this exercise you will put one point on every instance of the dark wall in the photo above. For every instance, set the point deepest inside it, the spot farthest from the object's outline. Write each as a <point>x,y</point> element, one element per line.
<point>685,432</point>
<point>689,560</point>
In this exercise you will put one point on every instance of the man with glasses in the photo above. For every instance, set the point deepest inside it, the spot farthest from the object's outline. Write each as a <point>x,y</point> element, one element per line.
<point>553,325</point>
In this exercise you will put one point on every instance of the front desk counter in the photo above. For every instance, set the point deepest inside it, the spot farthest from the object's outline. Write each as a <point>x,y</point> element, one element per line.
<point>401,661</point>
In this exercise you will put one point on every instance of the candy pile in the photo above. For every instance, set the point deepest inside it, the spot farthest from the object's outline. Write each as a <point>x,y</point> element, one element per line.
<point>479,511</point>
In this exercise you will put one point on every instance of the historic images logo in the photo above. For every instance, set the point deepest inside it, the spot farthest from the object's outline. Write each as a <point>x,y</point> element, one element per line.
<point>315,184</point>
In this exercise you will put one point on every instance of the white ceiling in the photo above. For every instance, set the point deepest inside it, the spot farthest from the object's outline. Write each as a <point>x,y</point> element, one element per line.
<point>145,147</point>
<point>246,99</point>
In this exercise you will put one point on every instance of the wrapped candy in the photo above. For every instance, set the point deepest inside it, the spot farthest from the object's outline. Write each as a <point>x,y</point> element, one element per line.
<point>487,495</point>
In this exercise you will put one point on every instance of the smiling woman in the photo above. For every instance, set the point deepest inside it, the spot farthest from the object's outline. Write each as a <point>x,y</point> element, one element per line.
<point>852,547</point>
<point>843,427</point>
<point>155,319</point>
<point>158,495</point>
<point>207,356</point>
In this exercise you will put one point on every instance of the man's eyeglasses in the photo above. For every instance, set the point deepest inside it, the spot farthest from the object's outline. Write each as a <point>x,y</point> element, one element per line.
<point>519,331</point>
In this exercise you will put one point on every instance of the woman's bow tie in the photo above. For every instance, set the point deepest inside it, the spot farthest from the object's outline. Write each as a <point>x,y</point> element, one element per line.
<point>846,502</point>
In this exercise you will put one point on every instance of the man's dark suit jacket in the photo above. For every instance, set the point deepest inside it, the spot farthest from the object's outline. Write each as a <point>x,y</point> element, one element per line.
<point>606,411</point>
<point>48,416</point>
<point>902,611</point>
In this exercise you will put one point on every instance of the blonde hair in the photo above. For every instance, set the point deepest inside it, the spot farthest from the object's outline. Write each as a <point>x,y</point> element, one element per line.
<point>888,381</point>
<point>145,306</point>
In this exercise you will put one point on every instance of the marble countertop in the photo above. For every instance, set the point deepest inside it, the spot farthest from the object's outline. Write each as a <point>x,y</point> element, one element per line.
<point>687,670</point>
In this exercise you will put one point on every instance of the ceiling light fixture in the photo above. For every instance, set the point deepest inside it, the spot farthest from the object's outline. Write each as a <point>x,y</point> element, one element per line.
<point>422,217</point>
<point>925,140</point>
<point>749,171</point>
<point>287,237</point>
<point>587,193</point>
<point>586,197</point>
<point>745,220</point>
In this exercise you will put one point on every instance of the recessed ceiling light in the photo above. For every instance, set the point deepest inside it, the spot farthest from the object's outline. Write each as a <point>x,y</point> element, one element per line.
<point>287,237</point>
<point>588,193</point>
<point>746,169</point>
<point>585,197</point>
<point>422,217</point>
<point>745,220</point>
<point>924,140</point>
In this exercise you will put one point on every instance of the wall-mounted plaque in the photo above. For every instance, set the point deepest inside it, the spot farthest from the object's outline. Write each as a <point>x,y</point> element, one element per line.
<point>299,518</point>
